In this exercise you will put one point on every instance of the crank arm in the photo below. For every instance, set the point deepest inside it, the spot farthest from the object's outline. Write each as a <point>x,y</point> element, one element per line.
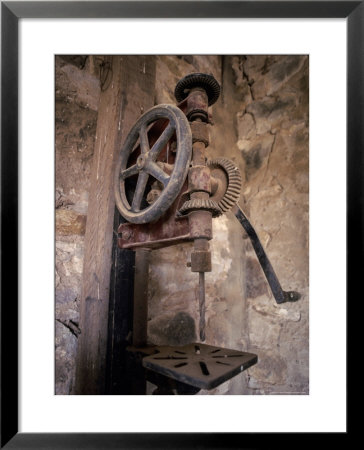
<point>279,294</point>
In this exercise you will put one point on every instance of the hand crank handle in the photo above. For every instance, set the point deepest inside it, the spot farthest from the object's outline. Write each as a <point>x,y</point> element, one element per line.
<point>279,294</point>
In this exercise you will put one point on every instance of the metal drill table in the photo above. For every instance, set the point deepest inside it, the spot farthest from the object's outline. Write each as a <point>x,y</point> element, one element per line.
<point>199,365</point>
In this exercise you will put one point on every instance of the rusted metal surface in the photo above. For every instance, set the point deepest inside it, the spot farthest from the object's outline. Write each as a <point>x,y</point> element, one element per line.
<point>200,80</point>
<point>279,294</point>
<point>201,304</point>
<point>200,224</point>
<point>146,165</point>
<point>165,385</point>
<point>197,104</point>
<point>226,183</point>
<point>200,220</point>
<point>200,261</point>
<point>168,230</point>
<point>171,229</point>
<point>199,179</point>
<point>140,310</point>
<point>187,217</point>
<point>201,256</point>
<point>200,365</point>
<point>200,208</point>
<point>200,132</point>
<point>200,204</point>
<point>198,154</point>
<point>153,195</point>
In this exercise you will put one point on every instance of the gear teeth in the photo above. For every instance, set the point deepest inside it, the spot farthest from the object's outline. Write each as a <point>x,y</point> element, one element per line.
<point>232,194</point>
<point>200,204</point>
<point>203,80</point>
<point>235,191</point>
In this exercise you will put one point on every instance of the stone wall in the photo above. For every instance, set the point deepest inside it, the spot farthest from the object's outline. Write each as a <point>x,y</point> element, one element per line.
<point>76,102</point>
<point>272,128</point>
<point>261,123</point>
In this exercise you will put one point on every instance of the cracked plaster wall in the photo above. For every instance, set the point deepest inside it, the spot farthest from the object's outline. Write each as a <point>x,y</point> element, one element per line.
<point>261,123</point>
<point>272,132</point>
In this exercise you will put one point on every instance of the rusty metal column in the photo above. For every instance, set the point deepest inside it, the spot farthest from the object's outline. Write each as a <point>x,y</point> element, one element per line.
<point>199,185</point>
<point>201,225</point>
<point>140,314</point>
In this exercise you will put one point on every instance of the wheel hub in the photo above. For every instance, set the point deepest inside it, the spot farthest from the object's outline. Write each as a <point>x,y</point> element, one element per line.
<point>141,161</point>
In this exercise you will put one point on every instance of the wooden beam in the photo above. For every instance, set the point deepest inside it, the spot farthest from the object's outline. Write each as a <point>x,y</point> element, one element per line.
<point>128,94</point>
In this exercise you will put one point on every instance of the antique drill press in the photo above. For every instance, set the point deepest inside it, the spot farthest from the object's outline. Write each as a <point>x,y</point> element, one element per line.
<point>168,191</point>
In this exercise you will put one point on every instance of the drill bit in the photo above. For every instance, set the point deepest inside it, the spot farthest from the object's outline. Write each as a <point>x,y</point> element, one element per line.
<point>202,304</point>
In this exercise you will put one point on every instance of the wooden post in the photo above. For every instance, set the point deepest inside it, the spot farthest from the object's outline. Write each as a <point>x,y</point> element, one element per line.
<point>140,310</point>
<point>118,376</point>
<point>128,94</point>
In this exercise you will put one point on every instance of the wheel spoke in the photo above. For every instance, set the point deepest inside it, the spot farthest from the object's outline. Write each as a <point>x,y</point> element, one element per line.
<point>156,172</point>
<point>162,141</point>
<point>130,171</point>
<point>139,191</point>
<point>143,139</point>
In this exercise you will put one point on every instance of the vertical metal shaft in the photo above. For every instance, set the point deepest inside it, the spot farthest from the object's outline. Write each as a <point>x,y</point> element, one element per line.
<point>200,220</point>
<point>202,305</point>
<point>140,314</point>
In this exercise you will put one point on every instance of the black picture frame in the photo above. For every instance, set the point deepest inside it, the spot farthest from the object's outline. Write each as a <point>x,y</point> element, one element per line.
<point>11,12</point>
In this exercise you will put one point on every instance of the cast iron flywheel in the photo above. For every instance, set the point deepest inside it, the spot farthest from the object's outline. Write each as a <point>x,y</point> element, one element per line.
<point>132,207</point>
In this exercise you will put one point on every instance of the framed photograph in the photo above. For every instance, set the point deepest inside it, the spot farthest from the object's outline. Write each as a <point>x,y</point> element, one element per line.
<point>129,102</point>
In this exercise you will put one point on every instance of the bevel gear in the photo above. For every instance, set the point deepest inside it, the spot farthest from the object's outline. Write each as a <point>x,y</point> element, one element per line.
<point>228,178</point>
<point>199,204</point>
<point>202,80</point>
